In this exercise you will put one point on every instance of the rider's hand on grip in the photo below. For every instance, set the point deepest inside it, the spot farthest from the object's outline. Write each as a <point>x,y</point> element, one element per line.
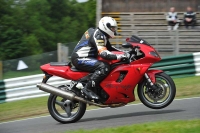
<point>122,57</point>
<point>127,54</point>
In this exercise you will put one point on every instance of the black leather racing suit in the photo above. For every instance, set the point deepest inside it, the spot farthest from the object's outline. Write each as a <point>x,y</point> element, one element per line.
<point>94,42</point>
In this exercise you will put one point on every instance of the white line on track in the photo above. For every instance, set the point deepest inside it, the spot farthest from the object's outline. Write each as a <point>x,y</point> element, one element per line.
<point>92,110</point>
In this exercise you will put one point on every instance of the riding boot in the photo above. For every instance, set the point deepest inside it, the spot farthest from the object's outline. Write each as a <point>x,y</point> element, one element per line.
<point>94,81</point>
<point>88,90</point>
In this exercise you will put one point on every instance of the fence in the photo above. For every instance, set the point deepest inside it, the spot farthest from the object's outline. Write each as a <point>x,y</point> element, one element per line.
<point>25,87</point>
<point>182,65</point>
<point>30,65</point>
<point>26,65</point>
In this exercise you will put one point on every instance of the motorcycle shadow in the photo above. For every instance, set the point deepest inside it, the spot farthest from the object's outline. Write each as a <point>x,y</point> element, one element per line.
<point>132,115</point>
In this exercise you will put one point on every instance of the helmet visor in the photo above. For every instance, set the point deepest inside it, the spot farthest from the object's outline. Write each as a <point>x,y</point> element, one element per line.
<point>113,28</point>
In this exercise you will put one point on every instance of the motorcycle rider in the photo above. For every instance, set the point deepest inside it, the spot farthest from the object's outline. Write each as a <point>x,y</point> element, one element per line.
<point>95,42</point>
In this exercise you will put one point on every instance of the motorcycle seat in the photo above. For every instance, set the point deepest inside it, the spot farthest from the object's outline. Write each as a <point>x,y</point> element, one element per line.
<point>74,69</point>
<point>60,63</point>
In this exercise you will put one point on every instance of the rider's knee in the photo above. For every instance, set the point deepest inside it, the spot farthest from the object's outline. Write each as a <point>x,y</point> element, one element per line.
<point>104,68</point>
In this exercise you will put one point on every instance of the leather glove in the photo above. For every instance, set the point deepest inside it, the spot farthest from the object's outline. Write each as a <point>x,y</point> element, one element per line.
<point>122,57</point>
<point>127,54</point>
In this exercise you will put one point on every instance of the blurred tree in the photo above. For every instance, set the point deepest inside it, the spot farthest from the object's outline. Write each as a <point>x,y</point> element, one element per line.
<point>36,26</point>
<point>4,8</point>
<point>90,8</point>
<point>11,36</point>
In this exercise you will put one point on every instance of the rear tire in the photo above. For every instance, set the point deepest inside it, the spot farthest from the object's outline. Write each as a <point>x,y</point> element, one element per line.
<point>58,109</point>
<point>165,84</point>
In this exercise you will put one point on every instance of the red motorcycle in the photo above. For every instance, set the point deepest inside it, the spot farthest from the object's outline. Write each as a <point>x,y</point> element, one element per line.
<point>155,89</point>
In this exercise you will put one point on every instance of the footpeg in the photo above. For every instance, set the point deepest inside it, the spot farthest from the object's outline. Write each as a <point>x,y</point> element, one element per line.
<point>90,94</point>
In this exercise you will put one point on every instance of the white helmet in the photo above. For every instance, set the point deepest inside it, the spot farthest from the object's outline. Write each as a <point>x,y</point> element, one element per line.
<point>108,25</point>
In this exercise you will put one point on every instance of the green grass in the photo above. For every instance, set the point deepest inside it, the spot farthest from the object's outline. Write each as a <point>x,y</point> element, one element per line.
<point>23,109</point>
<point>14,74</point>
<point>186,87</point>
<point>180,126</point>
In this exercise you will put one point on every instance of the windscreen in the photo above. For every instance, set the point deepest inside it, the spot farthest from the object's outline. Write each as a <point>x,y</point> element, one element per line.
<point>136,39</point>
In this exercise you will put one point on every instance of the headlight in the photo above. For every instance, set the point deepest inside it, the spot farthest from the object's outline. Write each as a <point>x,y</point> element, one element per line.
<point>155,54</point>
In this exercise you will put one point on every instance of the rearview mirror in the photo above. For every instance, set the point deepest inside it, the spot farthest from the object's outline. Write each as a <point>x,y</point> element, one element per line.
<point>127,39</point>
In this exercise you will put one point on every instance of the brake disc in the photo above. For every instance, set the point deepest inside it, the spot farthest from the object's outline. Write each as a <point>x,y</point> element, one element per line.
<point>161,92</point>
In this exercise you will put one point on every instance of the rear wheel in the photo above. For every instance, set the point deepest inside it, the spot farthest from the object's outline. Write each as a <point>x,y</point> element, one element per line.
<point>65,110</point>
<point>162,96</point>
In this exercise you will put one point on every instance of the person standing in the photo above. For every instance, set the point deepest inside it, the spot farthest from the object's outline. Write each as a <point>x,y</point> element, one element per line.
<point>189,18</point>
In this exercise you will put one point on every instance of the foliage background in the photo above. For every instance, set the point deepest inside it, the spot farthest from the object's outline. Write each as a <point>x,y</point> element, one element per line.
<point>36,26</point>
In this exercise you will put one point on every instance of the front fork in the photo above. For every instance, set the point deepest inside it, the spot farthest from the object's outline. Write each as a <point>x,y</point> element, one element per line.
<point>150,76</point>
<point>148,79</point>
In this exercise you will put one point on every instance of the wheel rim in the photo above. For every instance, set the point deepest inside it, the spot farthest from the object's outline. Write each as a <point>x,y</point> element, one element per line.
<point>65,109</point>
<point>162,96</point>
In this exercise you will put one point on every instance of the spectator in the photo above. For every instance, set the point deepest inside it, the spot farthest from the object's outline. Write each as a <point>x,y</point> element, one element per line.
<point>172,19</point>
<point>189,18</point>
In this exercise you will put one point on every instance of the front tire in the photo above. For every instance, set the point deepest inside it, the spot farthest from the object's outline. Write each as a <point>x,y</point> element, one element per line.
<point>163,97</point>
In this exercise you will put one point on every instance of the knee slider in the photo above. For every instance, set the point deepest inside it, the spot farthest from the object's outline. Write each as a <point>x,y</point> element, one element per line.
<point>105,69</point>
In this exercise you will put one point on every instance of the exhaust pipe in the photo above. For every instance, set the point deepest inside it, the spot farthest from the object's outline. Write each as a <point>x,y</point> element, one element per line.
<point>71,96</point>
<point>56,91</point>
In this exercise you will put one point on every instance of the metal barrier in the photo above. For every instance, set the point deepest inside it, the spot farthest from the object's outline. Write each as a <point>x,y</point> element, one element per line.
<point>182,65</point>
<point>25,87</point>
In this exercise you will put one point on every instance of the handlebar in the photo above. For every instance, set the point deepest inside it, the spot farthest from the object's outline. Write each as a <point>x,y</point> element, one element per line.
<point>132,54</point>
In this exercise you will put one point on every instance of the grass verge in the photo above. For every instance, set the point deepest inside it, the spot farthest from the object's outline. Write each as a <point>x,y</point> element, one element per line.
<point>14,74</point>
<point>180,126</point>
<point>186,87</point>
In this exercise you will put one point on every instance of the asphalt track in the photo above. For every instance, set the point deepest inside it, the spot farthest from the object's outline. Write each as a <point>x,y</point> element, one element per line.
<point>179,110</point>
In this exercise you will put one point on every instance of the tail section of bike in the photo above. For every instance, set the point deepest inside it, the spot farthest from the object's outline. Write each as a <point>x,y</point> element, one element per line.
<point>63,70</point>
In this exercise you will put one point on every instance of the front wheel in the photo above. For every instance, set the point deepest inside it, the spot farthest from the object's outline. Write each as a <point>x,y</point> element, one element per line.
<point>162,96</point>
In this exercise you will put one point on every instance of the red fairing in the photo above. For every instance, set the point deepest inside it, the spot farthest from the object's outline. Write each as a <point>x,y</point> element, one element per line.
<point>148,57</point>
<point>123,91</point>
<point>63,71</point>
<point>152,73</point>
